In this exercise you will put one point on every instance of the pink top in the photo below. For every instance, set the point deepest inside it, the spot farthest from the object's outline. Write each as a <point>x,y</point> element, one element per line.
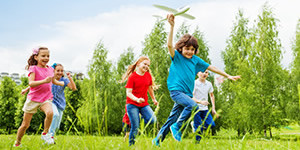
<point>42,92</point>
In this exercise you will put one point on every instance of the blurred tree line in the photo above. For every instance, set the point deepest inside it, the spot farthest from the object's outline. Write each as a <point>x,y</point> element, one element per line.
<point>266,97</point>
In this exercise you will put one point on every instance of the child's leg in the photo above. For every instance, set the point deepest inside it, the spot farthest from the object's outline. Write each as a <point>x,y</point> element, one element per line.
<point>148,114</point>
<point>165,129</point>
<point>198,123</point>
<point>209,120</point>
<point>24,126</point>
<point>187,102</point>
<point>55,120</point>
<point>47,109</point>
<point>133,114</point>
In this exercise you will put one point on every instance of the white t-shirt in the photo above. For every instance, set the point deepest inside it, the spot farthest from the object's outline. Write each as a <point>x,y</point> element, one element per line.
<point>201,91</point>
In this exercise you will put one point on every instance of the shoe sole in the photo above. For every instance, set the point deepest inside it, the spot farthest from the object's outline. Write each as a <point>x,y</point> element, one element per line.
<point>173,135</point>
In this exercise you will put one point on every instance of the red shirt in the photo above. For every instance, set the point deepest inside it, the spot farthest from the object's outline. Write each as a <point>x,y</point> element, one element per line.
<point>139,85</point>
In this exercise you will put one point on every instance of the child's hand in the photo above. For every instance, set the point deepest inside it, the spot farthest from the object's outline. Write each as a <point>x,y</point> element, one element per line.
<point>69,74</point>
<point>48,79</point>
<point>170,18</point>
<point>234,78</point>
<point>23,91</point>
<point>140,100</point>
<point>155,102</point>
<point>204,103</point>
<point>213,111</point>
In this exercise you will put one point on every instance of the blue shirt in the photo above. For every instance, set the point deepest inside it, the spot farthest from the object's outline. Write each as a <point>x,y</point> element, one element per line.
<point>183,71</point>
<point>59,95</point>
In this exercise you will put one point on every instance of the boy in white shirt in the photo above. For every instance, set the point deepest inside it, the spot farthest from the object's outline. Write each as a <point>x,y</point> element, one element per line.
<point>202,89</point>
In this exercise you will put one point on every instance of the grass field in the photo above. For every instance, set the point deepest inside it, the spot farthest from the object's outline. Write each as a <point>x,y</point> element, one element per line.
<point>284,139</point>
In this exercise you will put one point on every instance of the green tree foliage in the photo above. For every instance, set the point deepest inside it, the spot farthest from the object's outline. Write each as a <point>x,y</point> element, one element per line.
<point>265,60</point>
<point>294,105</point>
<point>74,100</point>
<point>9,95</point>
<point>234,97</point>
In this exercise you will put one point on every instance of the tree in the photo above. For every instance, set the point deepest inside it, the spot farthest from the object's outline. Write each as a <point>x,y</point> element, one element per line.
<point>9,94</point>
<point>265,60</point>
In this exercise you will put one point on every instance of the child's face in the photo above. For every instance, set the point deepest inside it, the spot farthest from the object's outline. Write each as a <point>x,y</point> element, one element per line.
<point>144,66</point>
<point>43,57</point>
<point>188,51</point>
<point>203,75</point>
<point>59,72</point>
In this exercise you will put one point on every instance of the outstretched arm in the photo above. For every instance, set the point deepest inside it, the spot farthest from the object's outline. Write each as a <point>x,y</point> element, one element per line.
<point>212,98</point>
<point>72,84</point>
<point>171,18</point>
<point>220,72</point>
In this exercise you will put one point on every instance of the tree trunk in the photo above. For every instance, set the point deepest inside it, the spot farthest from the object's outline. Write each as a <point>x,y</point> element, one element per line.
<point>265,131</point>
<point>270,133</point>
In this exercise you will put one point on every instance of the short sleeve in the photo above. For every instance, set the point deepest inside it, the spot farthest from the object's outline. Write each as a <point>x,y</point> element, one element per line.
<point>66,81</point>
<point>129,83</point>
<point>32,69</point>
<point>201,65</point>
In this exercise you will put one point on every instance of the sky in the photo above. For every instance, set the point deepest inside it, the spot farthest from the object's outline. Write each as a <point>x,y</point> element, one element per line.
<point>71,29</point>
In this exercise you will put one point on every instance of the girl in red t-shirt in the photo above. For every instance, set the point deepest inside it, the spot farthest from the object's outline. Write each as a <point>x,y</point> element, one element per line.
<point>140,81</point>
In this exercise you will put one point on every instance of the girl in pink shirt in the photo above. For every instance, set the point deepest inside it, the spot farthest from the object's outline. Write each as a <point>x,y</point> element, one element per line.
<point>40,97</point>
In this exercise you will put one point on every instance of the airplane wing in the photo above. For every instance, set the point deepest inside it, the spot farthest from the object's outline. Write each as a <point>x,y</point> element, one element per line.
<point>188,16</point>
<point>166,8</point>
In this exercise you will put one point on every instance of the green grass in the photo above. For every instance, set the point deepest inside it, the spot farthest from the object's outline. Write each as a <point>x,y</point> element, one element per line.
<point>33,142</point>
<point>285,138</point>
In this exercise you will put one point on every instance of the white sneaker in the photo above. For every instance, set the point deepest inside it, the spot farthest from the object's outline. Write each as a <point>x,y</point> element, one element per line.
<point>47,138</point>
<point>17,145</point>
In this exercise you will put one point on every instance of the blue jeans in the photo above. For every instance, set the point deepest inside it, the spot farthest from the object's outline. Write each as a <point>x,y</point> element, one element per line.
<point>133,114</point>
<point>200,117</point>
<point>57,115</point>
<point>181,112</point>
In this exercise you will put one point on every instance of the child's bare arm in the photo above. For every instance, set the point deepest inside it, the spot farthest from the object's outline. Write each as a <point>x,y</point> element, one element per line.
<point>201,102</point>
<point>72,84</point>
<point>151,93</point>
<point>171,18</point>
<point>132,97</point>
<point>60,83</point>
<point>33,83</point>
<point>220,72</point>
<point>25,90</point>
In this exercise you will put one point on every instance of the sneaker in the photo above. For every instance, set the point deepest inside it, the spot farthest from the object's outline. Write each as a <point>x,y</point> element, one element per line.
<point>17,145</point>
<point>47,138</point>
<point>176,133</point>
<point>155,142</point>
<point>192,125</point>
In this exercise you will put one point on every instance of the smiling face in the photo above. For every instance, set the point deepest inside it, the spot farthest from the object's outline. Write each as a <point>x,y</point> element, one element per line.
<point>59,71</point>
<point>188,51</point>
<point>202,75</point>
<point>143,66</point>
<point>42,58</point>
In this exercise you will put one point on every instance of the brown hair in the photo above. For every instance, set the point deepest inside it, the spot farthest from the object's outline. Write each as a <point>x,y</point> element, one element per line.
<point>31,61</point>
<point>187,40</point>
<point>131,69</point>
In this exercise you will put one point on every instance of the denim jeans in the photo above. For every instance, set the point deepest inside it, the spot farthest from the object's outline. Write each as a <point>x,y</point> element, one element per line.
<point>204,119</point>
<point>180,112</point>
<point>133,114</point>
<point>57,115</point>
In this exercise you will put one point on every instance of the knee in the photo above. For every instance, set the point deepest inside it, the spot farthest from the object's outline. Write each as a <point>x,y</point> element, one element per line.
<point>49,114</point>
<point>25,126</point>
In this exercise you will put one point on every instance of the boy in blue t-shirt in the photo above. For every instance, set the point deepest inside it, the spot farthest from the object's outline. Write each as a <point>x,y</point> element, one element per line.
<point>184,67</point>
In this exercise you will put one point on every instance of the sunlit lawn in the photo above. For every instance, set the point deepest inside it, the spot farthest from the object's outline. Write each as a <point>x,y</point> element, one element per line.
<point>286,138</point>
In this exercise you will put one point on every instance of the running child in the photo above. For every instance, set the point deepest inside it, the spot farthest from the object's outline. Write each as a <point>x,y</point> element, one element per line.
<point>184,67</point>
<point>140,82</point>
<point>40,97</point>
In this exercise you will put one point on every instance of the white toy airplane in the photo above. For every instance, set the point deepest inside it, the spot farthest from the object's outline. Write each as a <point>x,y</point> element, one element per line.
<point>181,11</point>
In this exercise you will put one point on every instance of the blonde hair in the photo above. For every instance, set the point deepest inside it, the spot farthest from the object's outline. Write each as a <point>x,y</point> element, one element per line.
<point>131,69</point>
